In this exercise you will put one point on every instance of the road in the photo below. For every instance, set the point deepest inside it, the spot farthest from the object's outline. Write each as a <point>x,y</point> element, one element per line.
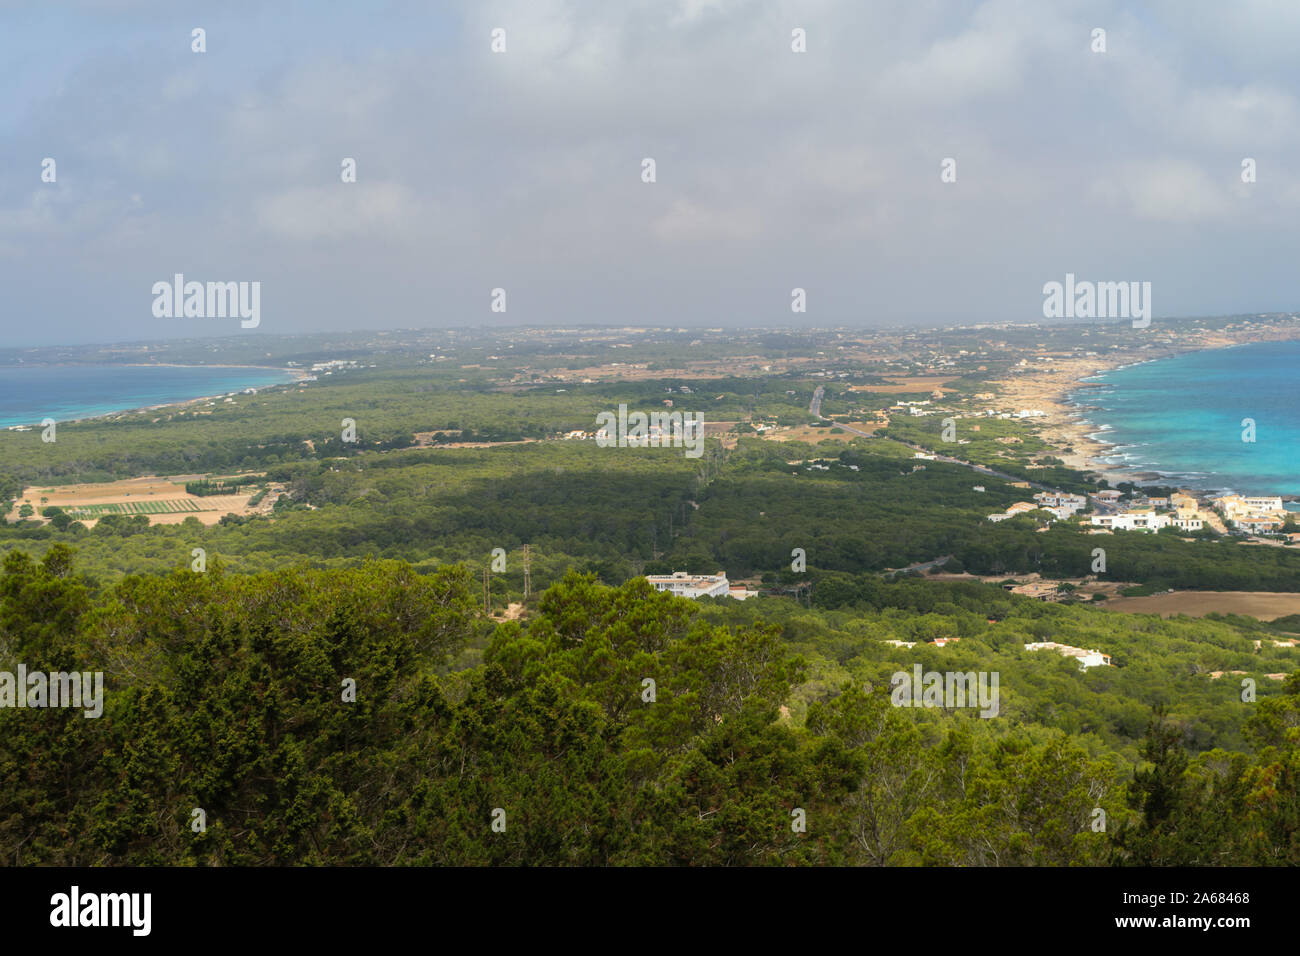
<point>920,565</point>
<point>982,469</point>
<point>815,409</point>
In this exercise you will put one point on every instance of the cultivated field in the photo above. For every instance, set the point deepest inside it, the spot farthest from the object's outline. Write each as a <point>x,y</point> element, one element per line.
<point>146,507</point>
<point>162,500</point>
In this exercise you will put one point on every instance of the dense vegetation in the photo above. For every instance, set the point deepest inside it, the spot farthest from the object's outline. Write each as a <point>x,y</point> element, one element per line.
<point>388,408</point>
<point>227,694</point>
<point>624,512</point>
<point>206,487</point>
<point>610,724</point>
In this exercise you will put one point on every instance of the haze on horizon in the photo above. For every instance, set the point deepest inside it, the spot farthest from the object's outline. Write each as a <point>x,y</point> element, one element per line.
<point>522,170</point>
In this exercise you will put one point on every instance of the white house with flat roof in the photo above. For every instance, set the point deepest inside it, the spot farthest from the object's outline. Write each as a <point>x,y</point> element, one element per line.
<point>1086,658</point>
<point>692,585</point>
<point>1059,499</point>
<point>1133,521</point>
<point>1258,524</point>
<point>1271,503</point>
<point>1255,515</point>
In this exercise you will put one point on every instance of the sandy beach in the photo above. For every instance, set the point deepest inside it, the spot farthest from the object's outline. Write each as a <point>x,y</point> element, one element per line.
<point>1046,383</point>
<point>1047,390</point>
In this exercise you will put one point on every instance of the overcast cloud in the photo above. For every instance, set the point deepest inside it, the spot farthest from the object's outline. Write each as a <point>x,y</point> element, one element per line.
<point>522,170</point>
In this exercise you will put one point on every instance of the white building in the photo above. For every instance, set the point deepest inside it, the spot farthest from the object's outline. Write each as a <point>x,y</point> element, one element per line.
<point>1086,658</point>
<point>1259,515</point>
<point>1133,521</point>
<point>1263,504</point>
<point>1019,508</point>
<point>692,585</point>
<point>1058,499</point>
<point>1240,504</point>
<point>1258,524</point>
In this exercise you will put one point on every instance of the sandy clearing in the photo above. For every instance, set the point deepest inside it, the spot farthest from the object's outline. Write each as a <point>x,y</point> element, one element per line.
<point>900,386</point>
<point>1263,605</point>
<point>813,436</point>
<point>104,492</point>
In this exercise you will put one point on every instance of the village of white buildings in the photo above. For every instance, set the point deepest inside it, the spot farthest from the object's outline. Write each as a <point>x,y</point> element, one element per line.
<point>1242,514</point>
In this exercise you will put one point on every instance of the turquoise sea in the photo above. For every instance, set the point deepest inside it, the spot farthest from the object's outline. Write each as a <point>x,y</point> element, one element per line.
<point>1183,417</point>
<point>29,394</point>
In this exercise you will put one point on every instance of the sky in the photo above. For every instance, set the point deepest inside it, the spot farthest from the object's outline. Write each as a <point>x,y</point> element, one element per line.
<point>523,170</point>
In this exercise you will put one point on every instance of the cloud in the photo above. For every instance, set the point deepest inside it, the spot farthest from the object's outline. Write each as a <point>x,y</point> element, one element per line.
<point>523,168</point>
<point>687,221</point>
<point>345,212</point>
<point>1170,191</point>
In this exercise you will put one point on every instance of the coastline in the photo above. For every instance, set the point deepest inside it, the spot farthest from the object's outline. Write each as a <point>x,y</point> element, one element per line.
<point>1063,425</point>
<point>297,375</point>
<point>1059,391</point>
